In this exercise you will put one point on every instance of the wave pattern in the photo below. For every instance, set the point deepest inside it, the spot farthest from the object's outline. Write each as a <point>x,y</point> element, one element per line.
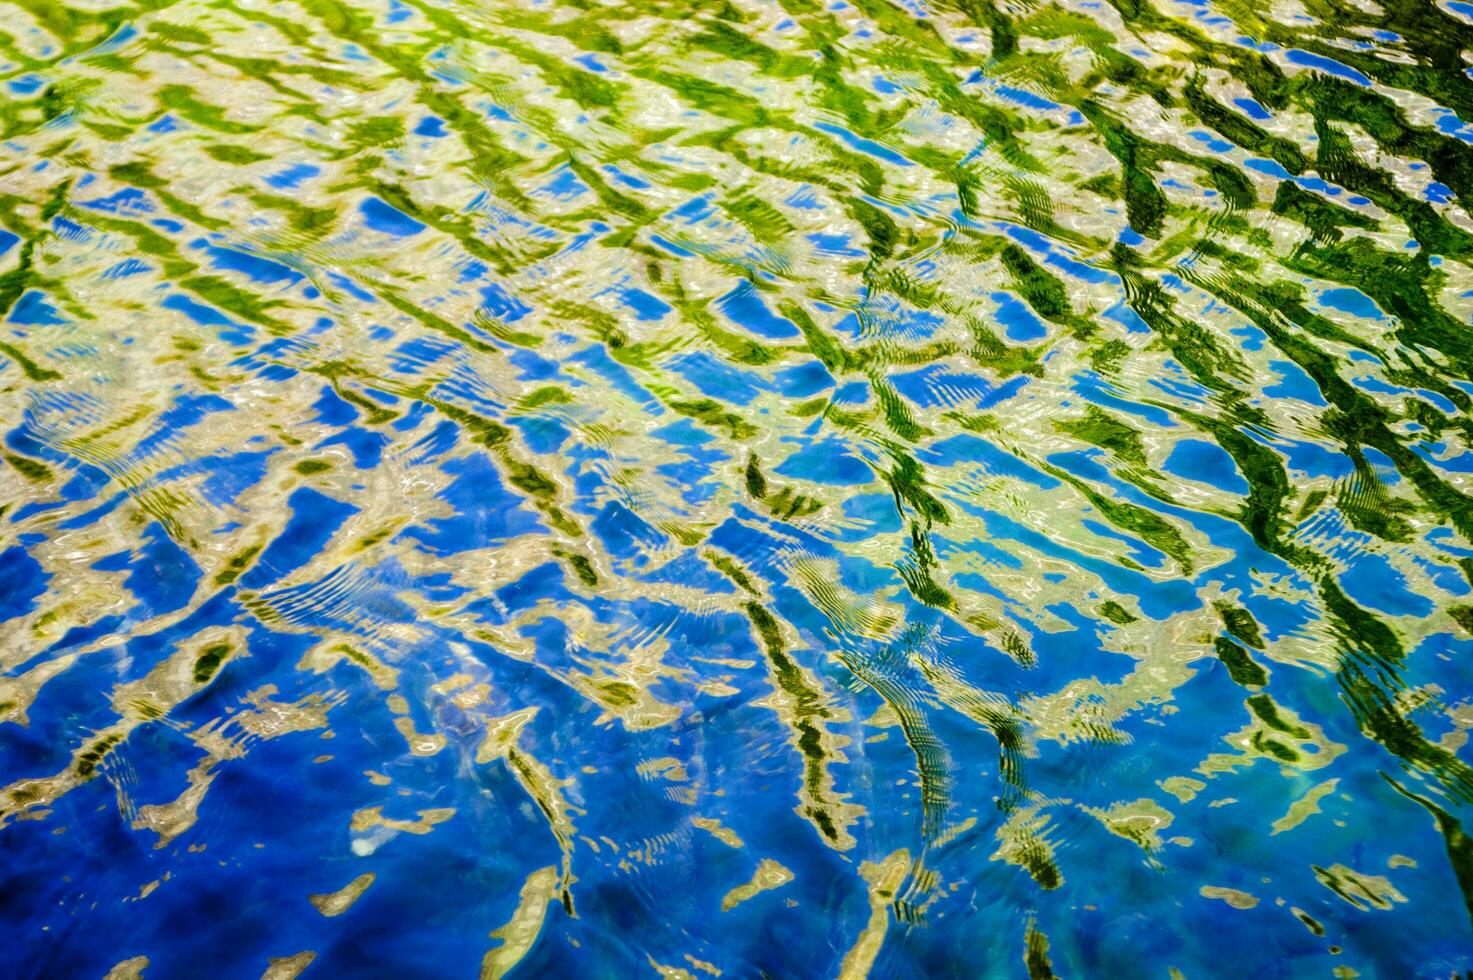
<point>736,487</point>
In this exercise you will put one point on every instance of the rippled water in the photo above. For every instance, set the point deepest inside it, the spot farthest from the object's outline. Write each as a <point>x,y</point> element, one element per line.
<point>735,488</point>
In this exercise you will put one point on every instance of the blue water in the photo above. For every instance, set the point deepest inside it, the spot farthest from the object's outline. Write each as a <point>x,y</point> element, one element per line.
<point>762,488</point>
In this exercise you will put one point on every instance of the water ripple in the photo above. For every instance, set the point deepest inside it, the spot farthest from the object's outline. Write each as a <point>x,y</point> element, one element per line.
<point>735,487</point>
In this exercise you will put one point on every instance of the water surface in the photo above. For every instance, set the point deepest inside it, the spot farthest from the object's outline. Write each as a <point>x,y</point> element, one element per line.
<point>734,489</point>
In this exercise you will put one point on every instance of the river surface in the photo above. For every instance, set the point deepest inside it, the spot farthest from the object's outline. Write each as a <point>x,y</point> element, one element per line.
<point>736,488</point>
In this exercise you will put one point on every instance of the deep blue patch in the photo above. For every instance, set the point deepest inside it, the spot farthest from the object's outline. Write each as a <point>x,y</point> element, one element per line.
<point>22,581</point>
<point>293,176</point>
<point>33,310</point>
<point>1205,462</point>
<point>644,305</point>
<point>1327,65</point>
<point>744,307</point>
<point>387,219</point>
<point>315,519</point>
<point>502,304</point>
<point>484,511</point>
